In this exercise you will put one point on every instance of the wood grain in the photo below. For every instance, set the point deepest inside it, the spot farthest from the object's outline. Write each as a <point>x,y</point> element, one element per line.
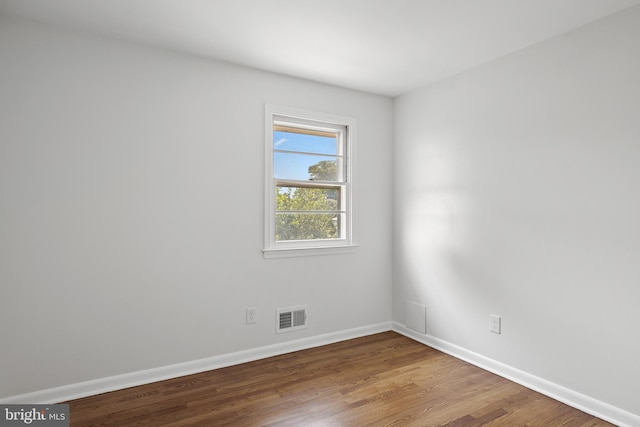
<point>379,380</point>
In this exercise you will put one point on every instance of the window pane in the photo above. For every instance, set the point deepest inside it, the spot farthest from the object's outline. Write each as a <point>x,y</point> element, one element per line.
<point>304,167</point>
<point>290,141</point>
<point>307,199</point>
<point>306,226</point>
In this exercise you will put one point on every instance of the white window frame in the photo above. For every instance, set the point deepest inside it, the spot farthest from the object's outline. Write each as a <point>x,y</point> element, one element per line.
<point>347,242</point>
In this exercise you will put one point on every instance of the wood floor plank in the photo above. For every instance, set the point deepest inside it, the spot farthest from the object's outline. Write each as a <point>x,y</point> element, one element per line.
<point>380,380</point>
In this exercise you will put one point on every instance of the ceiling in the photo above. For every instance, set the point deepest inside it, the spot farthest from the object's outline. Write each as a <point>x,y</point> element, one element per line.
<point>388,47</point>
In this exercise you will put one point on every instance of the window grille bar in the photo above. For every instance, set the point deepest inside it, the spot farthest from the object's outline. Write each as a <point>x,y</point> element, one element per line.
<point>311,212</point>
<point>310,184</point>
<point>307,153</point>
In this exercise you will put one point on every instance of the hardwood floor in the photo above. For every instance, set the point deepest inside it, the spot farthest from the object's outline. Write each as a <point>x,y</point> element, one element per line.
<point>379,380</point>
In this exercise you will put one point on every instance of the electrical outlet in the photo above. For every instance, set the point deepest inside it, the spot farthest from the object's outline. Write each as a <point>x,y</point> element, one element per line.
<point>251,315</point>
<point>494,324</point>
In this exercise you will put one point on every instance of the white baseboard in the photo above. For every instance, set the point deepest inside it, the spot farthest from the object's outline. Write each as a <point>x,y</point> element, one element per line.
<point>570,397</point>
<point>118,382</point>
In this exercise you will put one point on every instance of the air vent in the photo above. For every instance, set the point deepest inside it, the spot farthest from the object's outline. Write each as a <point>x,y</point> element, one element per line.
<point>291,319</point>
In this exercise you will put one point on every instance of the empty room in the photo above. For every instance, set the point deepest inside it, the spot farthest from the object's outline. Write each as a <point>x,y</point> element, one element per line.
<point>327,213</point>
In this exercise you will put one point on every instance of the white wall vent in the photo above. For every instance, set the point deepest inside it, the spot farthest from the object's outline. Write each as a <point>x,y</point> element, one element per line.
<point>415,316</point>
<point>291,319</point>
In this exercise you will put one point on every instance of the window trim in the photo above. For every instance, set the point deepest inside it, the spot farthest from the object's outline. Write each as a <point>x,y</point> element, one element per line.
<point>274,249</point>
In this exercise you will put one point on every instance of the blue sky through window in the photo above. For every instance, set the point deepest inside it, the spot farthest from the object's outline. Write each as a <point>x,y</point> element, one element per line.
<point>296,165</point>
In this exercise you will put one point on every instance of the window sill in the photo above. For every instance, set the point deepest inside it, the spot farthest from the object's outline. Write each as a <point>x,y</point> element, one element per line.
<point>297,252</point>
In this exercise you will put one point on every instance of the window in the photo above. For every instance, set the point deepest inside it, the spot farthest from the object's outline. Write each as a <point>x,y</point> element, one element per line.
<point>309,183</point>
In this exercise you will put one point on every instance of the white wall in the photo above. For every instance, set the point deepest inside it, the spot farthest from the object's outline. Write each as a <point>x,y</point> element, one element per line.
<point>517,193</point>
<point>131,216</point>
